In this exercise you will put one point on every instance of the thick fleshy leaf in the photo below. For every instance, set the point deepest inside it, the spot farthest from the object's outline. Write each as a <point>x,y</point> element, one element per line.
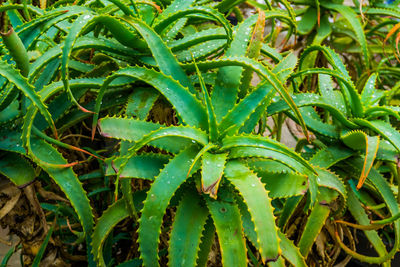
<point>133,130</point>
<point>69,183</point>
<point>310,99</point>
<point>17,51</point>
<point>228,224</point>
<point>288,210</point>
<point>349,91</point>
<point>285,67</point>
<point>158,197</point>
<point>166,61</point>
<point>143,166</point>
<point>175,6</point>
<point>212,120</point>
<point>361,141</point>
<point>206,243</point>
<point>186,104</point>
<point>330,180</point>
<point>67,180</point>
<point>22,84</point>
<point>290,252</point>
<point>259,205</point>
<point>17,169</point>
<point>212,168</point>
<point>351,16</point>
<point>197,38</point>
<point>110,218</point>
<point>253,51</point>
<point>384,129</point>
<point>241,112</point>
<point>227,84</point>
<point>283,184</point>
<point>187,228</point>
<point>369,90</point>
<point>329,156</point>
<point>81,43</point>
<point>316,220</point>
<point>308,21</point>
<point>260,69</point>
<point>211,14</point>
<point>259,144</point>
<point>350,94</point>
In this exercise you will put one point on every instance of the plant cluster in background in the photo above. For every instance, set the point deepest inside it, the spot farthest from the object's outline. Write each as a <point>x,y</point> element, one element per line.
<point>149,132</point>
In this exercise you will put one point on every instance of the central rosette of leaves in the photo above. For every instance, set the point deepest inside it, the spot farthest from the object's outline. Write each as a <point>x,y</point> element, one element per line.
<point>213,148</point>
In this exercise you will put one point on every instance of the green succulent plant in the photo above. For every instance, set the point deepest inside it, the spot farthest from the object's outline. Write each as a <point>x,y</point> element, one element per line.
<point>189,101</point>
<point>213,145</point>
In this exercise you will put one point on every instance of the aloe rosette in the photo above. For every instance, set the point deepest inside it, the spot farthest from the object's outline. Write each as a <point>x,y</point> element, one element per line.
<point>214,153</point>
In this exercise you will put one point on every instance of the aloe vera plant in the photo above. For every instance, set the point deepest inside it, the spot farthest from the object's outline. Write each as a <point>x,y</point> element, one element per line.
<point>214,148</point>
<point>153,118</point>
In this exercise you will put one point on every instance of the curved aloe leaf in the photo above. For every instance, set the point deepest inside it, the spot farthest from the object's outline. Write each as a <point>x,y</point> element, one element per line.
<point>81,43</point>
<point>212,120</point>
<point>316,220</point>
<point>351,94</point>
<point>17,169</point>
<point>206,243</point>
<point>310,99</point>
<point>288,210</point>
<point>259,206</point>
<point>186,231</point>
<point>374,112</point>
<point>175,6</point>
<point>290,252</point>
<point>143,166</point>
<point>167,20</point>
<point>263,143</point>
<point>308,21</point>
<point>330,180</point>
<point>158,197</point>
<point>22,84</point>
<point>329,156</point>
<point>253,51</point>
<point>260,69</point>
<point>226,89</point>
<point>359,140</point>
<point>69,183</point>
<point>228,224</point>
<point>188,107</point>
<point>242,111</point>
<point>132,130</point>
<point>368,90</point>
<point>326,89</point>
<point>77,27</point>
<point>32,31</point>
<point>283,184</point>
<point>349,91</point>
<point>110,218</point>
<point>382,11</point>
<point>351,16</point>
<point>384,129</point>
<point>212,168</point>
<point>197,38</point>
<point>166,61</point>
<point>17,51</point>
<point>67,180</point>
<point>186,132</point>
